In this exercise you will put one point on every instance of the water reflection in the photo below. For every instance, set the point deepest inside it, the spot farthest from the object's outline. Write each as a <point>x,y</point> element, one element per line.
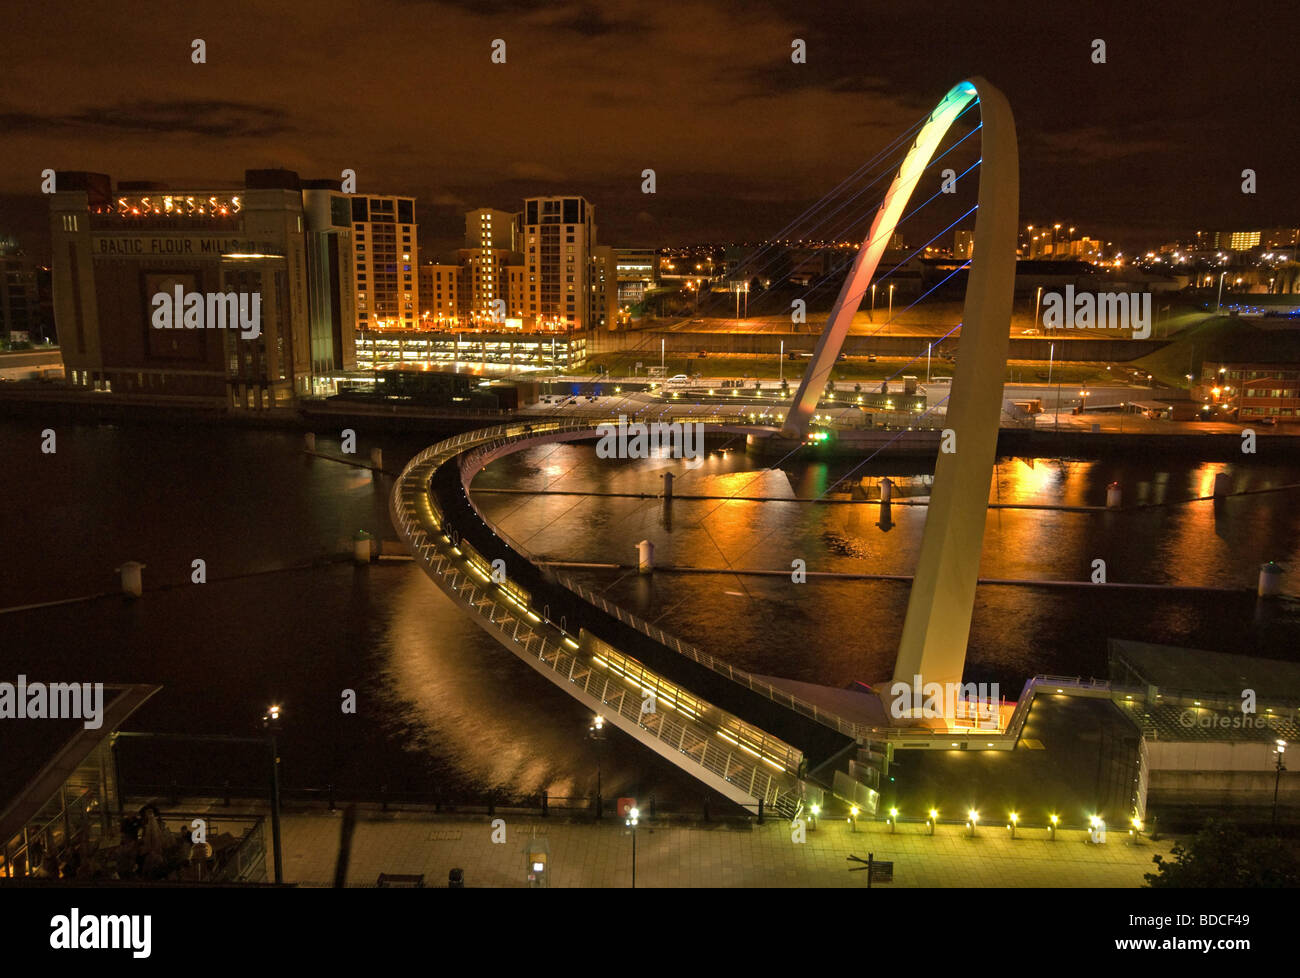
<point>837,631</point>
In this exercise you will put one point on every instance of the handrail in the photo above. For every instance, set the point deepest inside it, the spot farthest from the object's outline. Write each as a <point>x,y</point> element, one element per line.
<point>717,755</point>
<point>488,440</point>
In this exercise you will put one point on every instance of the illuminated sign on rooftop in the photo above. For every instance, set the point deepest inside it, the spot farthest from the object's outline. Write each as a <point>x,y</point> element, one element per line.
<point>169,205</point>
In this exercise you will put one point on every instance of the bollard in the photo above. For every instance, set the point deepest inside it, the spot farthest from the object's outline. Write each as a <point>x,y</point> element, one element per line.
<point>645,557</point>
<point>361,547</point>
<point>1222,484</point>
<point>1270,580</point>
<point>309,441</point>
<point>132,580</point>
<point>886,497</point>
<point>760,811</point>
<point>1114,496</point>
<point>377,459</point>
<point>668,487</point>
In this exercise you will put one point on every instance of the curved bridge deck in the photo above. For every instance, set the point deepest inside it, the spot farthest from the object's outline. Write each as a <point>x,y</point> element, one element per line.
<point>747,739</point>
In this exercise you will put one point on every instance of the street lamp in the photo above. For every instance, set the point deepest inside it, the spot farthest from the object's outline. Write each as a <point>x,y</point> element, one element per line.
<point>1051,359</point>
<point>1136,830</point>
<point>596,732</point>
<point>633,816</point>
<point>1277,778</point>
<point>271,723</point>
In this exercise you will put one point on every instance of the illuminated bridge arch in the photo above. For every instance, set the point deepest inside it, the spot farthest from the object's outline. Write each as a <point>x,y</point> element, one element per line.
<point>937,627</point>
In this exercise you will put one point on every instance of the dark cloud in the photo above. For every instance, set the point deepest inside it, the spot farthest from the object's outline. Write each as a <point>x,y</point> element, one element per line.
<point>193,118</point>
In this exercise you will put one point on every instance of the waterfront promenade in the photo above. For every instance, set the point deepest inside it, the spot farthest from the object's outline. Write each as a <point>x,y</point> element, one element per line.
<point>715,854</point>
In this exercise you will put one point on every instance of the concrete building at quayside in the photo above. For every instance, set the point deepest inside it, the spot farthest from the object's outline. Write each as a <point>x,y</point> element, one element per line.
<point>288,240</point>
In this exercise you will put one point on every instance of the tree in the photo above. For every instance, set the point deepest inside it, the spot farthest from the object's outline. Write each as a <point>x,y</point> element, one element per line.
<point>1221,855</point>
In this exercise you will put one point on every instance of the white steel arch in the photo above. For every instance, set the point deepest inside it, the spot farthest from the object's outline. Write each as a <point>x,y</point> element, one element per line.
<point>937,627</point>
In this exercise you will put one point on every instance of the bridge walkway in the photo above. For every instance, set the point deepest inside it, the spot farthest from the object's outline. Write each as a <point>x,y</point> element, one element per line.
<point>749,740</point>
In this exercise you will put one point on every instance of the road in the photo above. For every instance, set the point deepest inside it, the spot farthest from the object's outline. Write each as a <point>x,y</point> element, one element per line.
<point>924,322</point>
<point>770,407</point>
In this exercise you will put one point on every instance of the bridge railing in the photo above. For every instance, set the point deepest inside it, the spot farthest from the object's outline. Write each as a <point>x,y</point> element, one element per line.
<point>488,440</point>
<point>726,759</point>
<point>717,665</point>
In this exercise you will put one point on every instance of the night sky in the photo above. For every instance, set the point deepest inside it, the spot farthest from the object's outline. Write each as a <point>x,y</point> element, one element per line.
<point>1147,146</point>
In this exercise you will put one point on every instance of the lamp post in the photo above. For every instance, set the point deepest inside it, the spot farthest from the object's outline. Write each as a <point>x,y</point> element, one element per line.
<point>1051,360</point>
<point>1277,778</point>
<point>596,732</point>
<point>891,306</point>
<point>271,723</point>
<point>632,817</point>
<point>1219,302</point>
<point>1038,304</point>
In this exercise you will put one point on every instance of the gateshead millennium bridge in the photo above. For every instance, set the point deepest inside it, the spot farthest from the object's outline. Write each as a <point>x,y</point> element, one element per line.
<point>748,737</point>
